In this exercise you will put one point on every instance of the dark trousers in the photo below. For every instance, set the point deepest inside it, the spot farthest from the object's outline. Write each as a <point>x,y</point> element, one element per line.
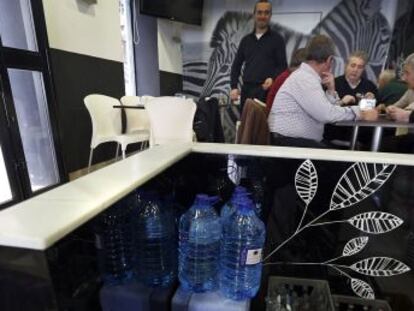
<point>286,141</point>
<point>252,90</point>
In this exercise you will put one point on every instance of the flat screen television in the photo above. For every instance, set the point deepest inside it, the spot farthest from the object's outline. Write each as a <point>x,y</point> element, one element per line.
<point>186,11</point>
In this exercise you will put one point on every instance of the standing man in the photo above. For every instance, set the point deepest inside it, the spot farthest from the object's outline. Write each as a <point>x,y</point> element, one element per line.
<point>263,55</point>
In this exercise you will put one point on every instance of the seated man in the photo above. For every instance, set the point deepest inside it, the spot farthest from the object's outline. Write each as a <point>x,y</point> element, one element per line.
<point>402,111</point>
<point>301,107</point>
<point>385,77</point>
<point>390,88</point>
<point>407,100</point>
<point>297,58</point>
<point>353,83</point>
<point>351,87</point>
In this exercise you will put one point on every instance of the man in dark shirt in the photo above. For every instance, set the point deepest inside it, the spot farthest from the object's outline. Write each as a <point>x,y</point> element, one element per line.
<point>352,83</point>
<point>390,88</point>
<point>351,87</point>
<point>263,54</point>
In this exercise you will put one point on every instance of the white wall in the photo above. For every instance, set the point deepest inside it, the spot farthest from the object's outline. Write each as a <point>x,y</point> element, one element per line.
<point>169,46</point>
<point>94,30</point>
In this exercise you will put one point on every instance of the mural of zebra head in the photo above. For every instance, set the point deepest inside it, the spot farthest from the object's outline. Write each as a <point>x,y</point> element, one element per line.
<point>226,37</point>
<point>229,31</point>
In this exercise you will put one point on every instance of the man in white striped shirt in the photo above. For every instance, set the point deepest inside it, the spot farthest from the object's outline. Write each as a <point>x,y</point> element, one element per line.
<point>301,108</point>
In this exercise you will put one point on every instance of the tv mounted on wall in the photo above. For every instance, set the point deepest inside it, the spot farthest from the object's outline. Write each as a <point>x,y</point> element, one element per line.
<point>186,11</point>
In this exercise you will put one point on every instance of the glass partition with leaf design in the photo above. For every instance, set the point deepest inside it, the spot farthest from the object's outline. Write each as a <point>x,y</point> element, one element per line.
<point>343,219</point>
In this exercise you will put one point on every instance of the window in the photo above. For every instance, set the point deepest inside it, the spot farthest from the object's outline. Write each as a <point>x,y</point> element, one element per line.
<point>30,102</point>
<point>29,162</point>
<point>5,190</point>
<point>128,45</point>
<point>17,25</point>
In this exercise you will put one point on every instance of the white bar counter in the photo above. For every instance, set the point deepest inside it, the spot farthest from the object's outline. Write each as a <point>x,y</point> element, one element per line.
<point>41,221</point>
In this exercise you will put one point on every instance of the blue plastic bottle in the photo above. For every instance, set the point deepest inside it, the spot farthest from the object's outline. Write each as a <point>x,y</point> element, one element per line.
<point>199,246</point>
<point>241,251</point>
<point>114,246</point>
<point>230,207</point>
<point>155,241</point>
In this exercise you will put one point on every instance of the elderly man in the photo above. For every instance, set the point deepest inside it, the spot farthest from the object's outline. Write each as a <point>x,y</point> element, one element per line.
<point>351,87</point>
<point>263,55</point>
<point>301,107</point>
<point>407,100</point>
<point>402,111</point>
<point>352,83</point>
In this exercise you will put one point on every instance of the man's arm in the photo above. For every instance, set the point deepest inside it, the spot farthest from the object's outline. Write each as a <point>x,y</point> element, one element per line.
<point>313,100</point>
<point>281,57</point>
<point>399,114</point>
<point>403,102</point>
<point>236,66</point>
<point>374,89</point>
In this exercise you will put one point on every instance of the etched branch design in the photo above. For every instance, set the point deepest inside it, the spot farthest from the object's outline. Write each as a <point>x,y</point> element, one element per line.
<point>357,183</point>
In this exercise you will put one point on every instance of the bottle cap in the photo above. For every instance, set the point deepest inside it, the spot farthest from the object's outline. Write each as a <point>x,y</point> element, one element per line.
<point>205,200</point>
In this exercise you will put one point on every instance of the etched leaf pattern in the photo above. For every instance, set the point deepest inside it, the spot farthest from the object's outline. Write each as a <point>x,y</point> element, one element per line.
<point>358,182</point>
<point>375,222</point>
<point>362,289</point>
<point>306,181</point>
<point>380,267</point>
<point>354,246</point>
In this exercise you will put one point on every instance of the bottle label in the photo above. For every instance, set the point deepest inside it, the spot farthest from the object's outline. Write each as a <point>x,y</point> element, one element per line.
<point>251,256</point>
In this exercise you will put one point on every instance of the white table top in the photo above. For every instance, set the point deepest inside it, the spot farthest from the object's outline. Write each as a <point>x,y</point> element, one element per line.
<point>41,221</point>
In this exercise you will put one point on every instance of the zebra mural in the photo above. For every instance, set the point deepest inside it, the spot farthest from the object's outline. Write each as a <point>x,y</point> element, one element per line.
<point>398,51</point>
<point>358,25</point>
<point>352,24</point>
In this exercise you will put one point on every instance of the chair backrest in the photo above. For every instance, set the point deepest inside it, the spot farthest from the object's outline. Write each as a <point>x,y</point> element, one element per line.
<point>146,98</point>
<point>131,100</point>
<point>106,120</point>
<point>136,119</point>
<point>171,119</point>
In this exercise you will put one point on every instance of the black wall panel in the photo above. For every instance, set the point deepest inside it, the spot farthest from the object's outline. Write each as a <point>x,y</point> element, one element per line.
<point>170,83</point>
<point>76,76</point>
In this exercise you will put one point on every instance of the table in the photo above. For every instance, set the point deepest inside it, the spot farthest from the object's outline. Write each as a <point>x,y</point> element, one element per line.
<point>378,126</point>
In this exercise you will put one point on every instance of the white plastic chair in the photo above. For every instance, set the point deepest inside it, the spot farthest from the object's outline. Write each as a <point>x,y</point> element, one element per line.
<point>107,126</point>
<point>137,120</point>
<point>171,120</point>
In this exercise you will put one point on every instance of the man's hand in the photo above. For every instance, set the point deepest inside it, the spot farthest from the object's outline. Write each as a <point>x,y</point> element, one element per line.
<point>369,115</point>
<point>398,114</point>
<point>369,95</point>
<point>234,95</point>
<point>267,83</point>
<point>348,100</point>
<point>328,80</point>
<point>381,108</point>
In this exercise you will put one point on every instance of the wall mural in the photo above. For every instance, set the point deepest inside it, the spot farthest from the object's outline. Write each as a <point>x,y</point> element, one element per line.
<point>352,24</point>
<point>359,181</point>
<point>398,52</point>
